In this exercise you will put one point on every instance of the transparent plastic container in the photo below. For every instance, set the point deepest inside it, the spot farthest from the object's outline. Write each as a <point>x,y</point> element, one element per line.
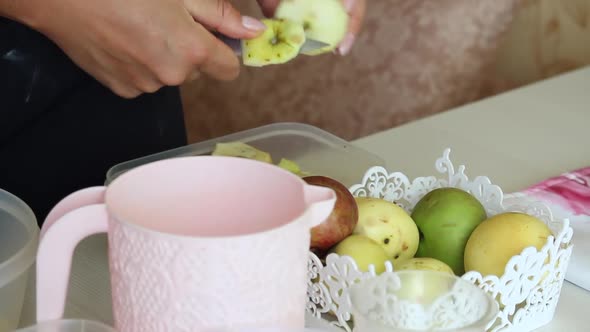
<point>420,300</point>
<point>74,325</point>
<point>68,325</point>
<point>315,150</point>
<point>19,236</point>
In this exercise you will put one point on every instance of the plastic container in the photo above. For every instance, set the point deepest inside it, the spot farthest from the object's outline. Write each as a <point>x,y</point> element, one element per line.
<point>418,300</point>
<point>315,150</point>
<point>68,325</point>
<point>74,325</point>
<point>19,236</point>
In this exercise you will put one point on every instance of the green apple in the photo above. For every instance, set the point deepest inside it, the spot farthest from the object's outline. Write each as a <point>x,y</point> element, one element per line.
<point>389,225</point>
<point>364,251</point>
<point>446,217</point>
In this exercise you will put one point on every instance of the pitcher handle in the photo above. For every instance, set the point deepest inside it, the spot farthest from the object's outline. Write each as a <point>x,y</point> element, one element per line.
<point>320,203</point>
<point>74,218</point>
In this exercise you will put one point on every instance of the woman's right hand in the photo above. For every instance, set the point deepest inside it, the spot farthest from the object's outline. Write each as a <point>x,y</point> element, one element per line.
<point>137,46</point>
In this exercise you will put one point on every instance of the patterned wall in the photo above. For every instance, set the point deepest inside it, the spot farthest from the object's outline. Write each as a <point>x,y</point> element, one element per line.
<point>414,58</point>
<point>547,37</point>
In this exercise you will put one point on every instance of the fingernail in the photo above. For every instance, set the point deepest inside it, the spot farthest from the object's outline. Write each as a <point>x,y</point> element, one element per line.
<point>346,44</point>
<point>348,4</point>
<point>251,23</point>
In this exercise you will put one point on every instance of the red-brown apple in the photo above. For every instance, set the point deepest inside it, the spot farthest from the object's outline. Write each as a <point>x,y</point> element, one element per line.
<point>341,221</point>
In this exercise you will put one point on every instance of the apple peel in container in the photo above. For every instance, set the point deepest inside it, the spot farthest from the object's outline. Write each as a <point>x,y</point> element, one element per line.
<point>523,272</point>
<point>316,151</point>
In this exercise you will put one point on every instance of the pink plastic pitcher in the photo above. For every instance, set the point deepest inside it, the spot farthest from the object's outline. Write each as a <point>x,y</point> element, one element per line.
<point>195,243</point>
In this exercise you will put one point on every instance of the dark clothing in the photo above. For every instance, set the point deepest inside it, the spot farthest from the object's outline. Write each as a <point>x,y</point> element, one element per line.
<point>61,130</point>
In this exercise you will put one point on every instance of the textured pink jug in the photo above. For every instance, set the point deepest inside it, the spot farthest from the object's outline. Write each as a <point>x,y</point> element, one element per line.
<point>195,243</point>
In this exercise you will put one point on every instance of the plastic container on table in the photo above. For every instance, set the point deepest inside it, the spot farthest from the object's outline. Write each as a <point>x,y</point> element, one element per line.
<point>315,150</point>
<point>80,325</point>
<point>19,236</point>
<point>68,325</point>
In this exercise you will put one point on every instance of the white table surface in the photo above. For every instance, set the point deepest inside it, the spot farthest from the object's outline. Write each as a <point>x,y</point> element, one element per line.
<point>517,139</point>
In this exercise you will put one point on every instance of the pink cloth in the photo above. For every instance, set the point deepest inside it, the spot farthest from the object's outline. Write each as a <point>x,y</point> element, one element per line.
<point>570,191</point>
<point>568,196</point>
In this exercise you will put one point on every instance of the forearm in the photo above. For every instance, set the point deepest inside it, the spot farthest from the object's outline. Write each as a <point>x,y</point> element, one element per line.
<point>22,11</point>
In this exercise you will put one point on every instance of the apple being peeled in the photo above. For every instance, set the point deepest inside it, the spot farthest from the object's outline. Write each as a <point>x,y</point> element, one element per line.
<point>341,221</point>
<point>322,20</point>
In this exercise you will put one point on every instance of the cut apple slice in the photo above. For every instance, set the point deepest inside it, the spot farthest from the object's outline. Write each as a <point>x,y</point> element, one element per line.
<point>322,20</point>
<point>240,149</point>
<point>289,165</point>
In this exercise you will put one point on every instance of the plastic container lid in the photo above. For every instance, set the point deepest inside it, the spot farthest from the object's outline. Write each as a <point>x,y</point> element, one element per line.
<point>68,325</point>
<point>315,150</point>
<point>313,324</point>
<point>19,236</point>
<point>73,325</point>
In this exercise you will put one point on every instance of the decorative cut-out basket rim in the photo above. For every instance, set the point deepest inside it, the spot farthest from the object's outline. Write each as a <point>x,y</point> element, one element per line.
<point>522,316</point>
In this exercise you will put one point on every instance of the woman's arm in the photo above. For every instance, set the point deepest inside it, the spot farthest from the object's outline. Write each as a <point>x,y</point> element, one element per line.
<point>137,46</point>
<point>18,10</point>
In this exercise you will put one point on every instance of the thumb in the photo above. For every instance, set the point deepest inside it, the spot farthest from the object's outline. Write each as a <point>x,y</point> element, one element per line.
<point>220,15</point>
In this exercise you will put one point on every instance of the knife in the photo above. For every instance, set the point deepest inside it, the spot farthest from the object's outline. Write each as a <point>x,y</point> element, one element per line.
<point>236,44</point>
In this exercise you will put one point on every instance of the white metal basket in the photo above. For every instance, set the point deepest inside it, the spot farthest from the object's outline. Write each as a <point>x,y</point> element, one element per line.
<point>526,301</point>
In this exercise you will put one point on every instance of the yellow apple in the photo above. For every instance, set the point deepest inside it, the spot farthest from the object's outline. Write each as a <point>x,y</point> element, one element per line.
<point>424,264</point>
<point>497,239</point>
<point>364,251</point>
<point>389,225</point>
<point>424,286</point>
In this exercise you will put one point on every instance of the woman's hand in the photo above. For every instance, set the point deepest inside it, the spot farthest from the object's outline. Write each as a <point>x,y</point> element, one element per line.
<point>355,9</point>
<point>137,46</point>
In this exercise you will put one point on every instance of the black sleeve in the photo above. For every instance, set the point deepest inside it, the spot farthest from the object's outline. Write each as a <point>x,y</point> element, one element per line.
<point>60,130</point>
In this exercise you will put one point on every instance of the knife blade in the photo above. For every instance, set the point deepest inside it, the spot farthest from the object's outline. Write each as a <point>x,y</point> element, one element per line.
<point>236,44</point>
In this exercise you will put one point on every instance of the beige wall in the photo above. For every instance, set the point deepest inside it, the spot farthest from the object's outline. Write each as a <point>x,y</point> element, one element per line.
<point>547,37</point>
<point>414,58</point>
